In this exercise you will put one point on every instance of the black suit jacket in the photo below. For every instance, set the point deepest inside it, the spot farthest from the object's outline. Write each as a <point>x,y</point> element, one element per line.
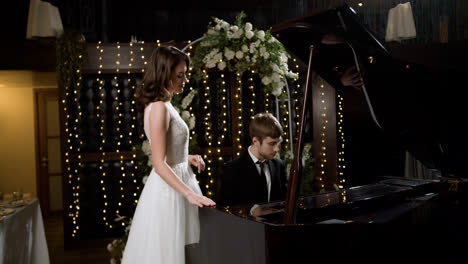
<point>241,183</point>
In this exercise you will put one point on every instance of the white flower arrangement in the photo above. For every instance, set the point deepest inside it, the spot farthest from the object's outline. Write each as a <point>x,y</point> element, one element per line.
<point>185,114</point>
<point>240,47</point>
<point>306,154</point>
<point>117,246</point>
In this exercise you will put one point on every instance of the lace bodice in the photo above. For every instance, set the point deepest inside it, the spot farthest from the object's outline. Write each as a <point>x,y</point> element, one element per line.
<point>177,136</point>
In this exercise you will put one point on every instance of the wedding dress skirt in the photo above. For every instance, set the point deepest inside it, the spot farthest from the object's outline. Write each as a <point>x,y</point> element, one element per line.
<point>164,221</point>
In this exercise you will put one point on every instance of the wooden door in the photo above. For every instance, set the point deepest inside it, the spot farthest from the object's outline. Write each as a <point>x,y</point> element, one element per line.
<point>49,166</point>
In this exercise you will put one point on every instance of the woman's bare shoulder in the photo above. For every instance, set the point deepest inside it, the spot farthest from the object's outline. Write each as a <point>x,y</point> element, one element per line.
<point>158,107</point>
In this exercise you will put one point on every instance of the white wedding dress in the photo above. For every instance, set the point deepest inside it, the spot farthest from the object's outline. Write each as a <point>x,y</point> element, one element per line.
<point>164,222</point>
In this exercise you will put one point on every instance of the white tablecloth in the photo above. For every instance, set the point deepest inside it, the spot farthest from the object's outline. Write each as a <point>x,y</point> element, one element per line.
<point>22,236</point>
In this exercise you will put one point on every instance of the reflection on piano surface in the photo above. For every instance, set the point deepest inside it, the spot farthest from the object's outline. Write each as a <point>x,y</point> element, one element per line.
<point>398,100</point>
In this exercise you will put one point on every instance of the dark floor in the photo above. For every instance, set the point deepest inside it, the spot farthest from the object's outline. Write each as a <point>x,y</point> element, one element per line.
<point>92,253</point>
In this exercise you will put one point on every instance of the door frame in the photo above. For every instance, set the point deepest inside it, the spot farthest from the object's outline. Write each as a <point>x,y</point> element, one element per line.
<point>40,125</point>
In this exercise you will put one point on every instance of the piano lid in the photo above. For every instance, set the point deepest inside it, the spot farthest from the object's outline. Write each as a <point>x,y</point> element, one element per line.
<point>415,105</point>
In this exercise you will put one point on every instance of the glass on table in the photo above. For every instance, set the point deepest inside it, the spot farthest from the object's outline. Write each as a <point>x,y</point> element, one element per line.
<point>17,195</point>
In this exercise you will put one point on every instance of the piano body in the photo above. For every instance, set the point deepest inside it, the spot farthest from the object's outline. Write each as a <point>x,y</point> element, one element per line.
<point>390,215</point>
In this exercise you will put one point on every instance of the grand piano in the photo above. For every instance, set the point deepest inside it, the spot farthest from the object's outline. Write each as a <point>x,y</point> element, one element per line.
<point>390,215</point>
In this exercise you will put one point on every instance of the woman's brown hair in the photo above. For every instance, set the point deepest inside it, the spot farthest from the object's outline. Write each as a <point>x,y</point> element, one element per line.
<point>158,76</point>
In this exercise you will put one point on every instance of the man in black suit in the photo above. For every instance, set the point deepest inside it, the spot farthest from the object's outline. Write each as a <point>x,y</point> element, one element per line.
<point>256,176</point>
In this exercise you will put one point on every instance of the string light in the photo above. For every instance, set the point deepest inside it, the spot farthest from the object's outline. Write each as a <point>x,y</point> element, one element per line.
<point>251,89</point>
<point>118,131</point>
<point>72,135</point>
<point>285,121</point>
<point>100,114</point>
<point>208,133</point>
<point>239,112</point>
<point>341,143</point>
<point>223,119</point>
<point>133,121</point>
<point>296,100</point>
<point>323,127</point>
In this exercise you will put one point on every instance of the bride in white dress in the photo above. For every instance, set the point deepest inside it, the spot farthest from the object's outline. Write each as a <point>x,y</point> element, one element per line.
<point>166,217</point>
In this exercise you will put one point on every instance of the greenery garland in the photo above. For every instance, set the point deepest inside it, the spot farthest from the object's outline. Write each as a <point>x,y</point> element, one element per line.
<point>72,54</point>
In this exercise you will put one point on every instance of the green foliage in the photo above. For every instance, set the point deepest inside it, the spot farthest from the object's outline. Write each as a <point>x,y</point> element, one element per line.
<point>72,53</point>
<point>117,246</point>
<point>308,164</point>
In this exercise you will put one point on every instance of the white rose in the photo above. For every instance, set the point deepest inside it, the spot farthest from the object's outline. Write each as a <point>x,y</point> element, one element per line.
<point>229,54</point>
<point>275,68</point>
<point>113,261</point>
<point>211,64</point>
<point>277,88</point>
<point>283,58</point>
<point>252,48</point>
<point>266,80</point>
<point>110,248</point>
<point>218,56</point>
<point>236,34</point>
<point>185,115</point>
<point>211,32</point>
<point>261,34</point>
<point>248,26</point>
<point>234,28</point>
<point>144,179</point>
<point>217,27</point>
<point>150,161</point>
<point>245,48</point>
<point>292,75</point>
<point>192,122</point>
<point>188,99</point>
<point>221,65</point>
<point>146,147</point>
<point>276,91</point>
<point>249,34</point>
<point>279,85</point>
<point>266,55</point>
<point>275,77</point>
<point>239,54</point>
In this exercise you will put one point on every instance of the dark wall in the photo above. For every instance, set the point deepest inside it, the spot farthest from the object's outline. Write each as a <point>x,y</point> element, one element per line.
<point>165,21</point>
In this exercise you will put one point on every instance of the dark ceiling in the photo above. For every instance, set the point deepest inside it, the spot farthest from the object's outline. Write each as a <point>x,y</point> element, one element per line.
<point>112,21</point>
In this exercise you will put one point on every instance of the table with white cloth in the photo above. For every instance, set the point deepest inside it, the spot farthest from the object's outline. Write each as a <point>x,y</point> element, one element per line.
<point>22,236</point>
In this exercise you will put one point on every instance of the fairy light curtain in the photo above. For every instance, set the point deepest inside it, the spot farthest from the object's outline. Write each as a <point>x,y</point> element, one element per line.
<point>102,131</point>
